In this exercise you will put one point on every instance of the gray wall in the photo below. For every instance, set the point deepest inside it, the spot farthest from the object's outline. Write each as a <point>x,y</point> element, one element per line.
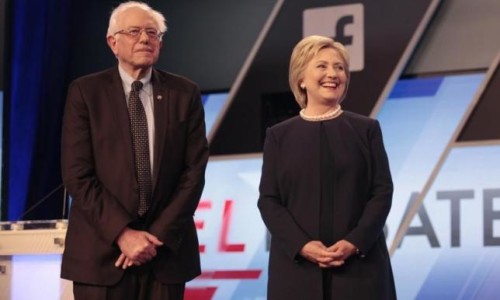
<point>463,36</point>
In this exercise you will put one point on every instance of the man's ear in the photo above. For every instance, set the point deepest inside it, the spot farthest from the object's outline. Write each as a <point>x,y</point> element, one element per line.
<point>112,44</point>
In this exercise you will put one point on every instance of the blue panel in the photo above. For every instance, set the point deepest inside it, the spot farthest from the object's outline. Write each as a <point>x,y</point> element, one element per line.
<point>213,104</point>
<point>409,88</point>
<point>418,123</point>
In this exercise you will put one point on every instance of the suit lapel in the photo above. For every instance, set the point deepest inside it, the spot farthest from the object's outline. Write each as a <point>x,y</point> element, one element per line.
<point>118,104</point>
<point>161,107</point>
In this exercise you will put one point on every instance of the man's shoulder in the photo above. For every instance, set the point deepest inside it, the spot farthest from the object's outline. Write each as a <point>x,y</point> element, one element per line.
<point>172,80</point>
<point>98,77</point>
<point>107,76</point>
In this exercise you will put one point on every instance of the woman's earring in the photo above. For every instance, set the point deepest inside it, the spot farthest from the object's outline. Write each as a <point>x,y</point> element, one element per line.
<point>302,86</point>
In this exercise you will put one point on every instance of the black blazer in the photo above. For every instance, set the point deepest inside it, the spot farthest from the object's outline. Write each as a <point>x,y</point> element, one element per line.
<point>98,171</point>
<point>290,206</point>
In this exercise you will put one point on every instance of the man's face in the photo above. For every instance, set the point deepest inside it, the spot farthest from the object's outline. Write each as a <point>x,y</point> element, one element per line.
<point>139,52</point>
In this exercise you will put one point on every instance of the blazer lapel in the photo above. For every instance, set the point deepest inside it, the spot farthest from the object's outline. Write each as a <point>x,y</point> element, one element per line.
<point>161,107</point>
<point>118,104</point>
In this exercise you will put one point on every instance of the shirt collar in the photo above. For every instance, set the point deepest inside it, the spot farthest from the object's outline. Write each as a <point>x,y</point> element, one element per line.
<point>127,79</point>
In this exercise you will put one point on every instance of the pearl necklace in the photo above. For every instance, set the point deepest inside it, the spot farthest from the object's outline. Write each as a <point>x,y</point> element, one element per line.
<point>323,117</point>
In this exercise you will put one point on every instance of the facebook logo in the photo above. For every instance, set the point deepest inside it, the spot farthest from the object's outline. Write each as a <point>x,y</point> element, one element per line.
<point>344,23</point>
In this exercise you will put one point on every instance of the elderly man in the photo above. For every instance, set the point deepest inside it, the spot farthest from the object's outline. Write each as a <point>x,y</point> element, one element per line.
<point>134,155</point>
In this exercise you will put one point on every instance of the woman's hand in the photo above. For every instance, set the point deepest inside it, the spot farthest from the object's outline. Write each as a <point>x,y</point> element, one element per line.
<point>327,257</point>
<point>344,248</point>
<point>317,253</point>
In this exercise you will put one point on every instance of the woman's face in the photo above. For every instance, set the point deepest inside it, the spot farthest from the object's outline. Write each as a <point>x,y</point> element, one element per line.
<point>325,78</point>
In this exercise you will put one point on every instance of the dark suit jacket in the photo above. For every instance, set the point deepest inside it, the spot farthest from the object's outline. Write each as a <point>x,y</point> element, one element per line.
<point>98,171</point>
<point>290,206</point>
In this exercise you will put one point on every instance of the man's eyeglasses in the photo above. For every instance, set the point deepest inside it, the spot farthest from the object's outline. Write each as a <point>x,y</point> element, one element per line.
<point>135,33</point>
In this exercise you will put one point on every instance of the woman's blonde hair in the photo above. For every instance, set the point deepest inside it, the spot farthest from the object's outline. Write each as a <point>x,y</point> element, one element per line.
<point>302,54</point>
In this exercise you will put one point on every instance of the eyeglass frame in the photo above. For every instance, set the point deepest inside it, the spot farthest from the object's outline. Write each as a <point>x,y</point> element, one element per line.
<point>158,36</point>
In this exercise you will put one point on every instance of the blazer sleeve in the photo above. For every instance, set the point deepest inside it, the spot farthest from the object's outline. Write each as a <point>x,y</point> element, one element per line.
<point>172,220</point>
<point>100,209</point>
<point>378,204</point>
<point>282,226</point>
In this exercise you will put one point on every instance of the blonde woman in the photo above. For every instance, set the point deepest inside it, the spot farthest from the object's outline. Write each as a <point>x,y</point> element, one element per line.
<point>326,188</point>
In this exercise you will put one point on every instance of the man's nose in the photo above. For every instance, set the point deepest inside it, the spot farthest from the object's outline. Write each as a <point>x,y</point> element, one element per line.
<point>143,36</point>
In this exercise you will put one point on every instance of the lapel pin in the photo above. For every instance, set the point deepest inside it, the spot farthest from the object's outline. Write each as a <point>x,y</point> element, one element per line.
<point>159,97</point>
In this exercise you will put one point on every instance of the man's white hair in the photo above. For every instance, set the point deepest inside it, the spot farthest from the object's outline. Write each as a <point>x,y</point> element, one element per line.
<point>113,19</point>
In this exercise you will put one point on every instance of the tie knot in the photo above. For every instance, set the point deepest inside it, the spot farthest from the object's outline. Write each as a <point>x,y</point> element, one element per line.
<point>136,86</point>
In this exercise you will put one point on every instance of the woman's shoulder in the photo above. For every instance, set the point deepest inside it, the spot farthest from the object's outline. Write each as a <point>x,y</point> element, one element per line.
<point>355,117</point>
<point>359,121</point>
<point>287,124</point>
<point>289,129</point>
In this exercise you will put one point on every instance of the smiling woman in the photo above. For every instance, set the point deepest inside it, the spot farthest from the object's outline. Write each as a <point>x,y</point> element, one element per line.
<point>324,81</point>
<point>326,188</point>
<point>319,58</point>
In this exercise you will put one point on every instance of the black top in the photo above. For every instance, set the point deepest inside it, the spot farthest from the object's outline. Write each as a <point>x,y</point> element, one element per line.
<point>295,184</point>
<point>327,166</point>
<point>326,206</point>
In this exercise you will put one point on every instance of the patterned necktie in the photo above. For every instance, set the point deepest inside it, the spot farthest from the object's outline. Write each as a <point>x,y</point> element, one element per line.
<point>140,142</point>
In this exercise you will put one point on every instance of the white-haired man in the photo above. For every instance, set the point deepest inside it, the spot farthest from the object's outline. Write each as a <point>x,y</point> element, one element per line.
<point>134,155</point>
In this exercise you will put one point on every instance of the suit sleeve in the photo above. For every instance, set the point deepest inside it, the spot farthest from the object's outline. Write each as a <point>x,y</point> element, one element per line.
<point>91,200</point>
<point>283,228</point>
<point>173,219</point>
<point>378,205</point>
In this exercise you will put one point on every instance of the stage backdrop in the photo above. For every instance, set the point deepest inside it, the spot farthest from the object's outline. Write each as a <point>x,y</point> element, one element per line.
<point>444,228</point>
<point>380,35</point>
<point>449,251</point>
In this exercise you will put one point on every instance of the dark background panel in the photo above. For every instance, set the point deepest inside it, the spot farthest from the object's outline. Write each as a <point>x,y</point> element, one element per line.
<point>206,41</point>
<point>2,42</point>
<point>484,122</point>
<point>388,28</point>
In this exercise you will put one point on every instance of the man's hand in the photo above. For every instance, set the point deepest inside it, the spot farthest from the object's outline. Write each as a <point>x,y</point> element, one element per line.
<point>124,262</point>
<point>138,247</point>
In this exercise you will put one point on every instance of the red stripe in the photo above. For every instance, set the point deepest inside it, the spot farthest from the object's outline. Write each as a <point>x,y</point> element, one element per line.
<point>205,204</point>
<point>199,293</point>
<point>230,274</point>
